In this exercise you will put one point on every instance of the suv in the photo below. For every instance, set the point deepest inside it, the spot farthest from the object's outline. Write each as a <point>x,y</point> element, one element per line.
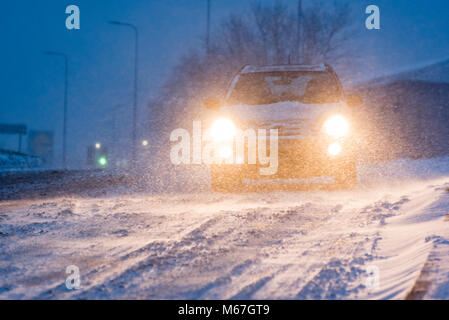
<point>310,112</point>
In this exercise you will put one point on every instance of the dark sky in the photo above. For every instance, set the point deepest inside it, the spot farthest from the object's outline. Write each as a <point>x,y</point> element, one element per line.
<point>412,33</point>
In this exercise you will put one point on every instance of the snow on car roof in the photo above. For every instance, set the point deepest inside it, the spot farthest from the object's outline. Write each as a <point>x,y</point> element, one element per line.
<point>292,67</point>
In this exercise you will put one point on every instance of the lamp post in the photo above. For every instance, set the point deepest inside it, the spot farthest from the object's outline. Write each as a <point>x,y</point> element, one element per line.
<point>134,130</point>
<point>208,28</point>
<point>64,130</point>
<point>299,34</point>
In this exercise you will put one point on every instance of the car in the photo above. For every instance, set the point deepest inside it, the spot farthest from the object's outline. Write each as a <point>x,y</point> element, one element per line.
<point>312,117</point>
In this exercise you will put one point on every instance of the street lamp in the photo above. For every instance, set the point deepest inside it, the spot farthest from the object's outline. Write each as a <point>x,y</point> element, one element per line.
<point>64,130</point>
<point>299,33</point>
<point>136,33</point>
<point>208,28</point>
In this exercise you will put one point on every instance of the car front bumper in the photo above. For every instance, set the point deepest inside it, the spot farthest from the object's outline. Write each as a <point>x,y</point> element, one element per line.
<point>296,159</point>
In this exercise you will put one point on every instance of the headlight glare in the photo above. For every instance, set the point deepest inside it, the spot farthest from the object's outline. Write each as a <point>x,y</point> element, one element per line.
<point>337,126</point>
<point>334,149</point>
<point>222,130</point>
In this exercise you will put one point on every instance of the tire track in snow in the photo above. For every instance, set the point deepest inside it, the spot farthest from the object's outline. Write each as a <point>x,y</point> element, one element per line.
<point>232,246</point>
<point>281,245</point>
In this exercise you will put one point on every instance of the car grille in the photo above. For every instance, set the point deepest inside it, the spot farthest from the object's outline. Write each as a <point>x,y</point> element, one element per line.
<point>287,129</point>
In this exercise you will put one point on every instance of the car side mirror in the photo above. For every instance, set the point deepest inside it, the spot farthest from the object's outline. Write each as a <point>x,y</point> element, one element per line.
<point>212,104</point>
<point>354,100</point>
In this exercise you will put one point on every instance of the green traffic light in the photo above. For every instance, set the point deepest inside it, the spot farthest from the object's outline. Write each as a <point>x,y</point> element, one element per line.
<point>102,161</point>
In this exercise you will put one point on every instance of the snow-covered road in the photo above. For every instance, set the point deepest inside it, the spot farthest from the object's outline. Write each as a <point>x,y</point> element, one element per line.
<point>381,240</point>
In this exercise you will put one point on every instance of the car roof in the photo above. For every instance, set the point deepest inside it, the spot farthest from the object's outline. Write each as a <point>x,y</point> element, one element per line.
<point>289,67</point>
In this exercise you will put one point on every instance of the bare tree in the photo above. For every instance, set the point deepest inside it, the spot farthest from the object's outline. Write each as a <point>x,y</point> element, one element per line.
<point>274,27</point>
<point>269,36</point>
<point>326,34</point>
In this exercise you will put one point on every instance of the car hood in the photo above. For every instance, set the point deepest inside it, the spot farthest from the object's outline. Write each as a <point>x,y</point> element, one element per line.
<point>292,118</point>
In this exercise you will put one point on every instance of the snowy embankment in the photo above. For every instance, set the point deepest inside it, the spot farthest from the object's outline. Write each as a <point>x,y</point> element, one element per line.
<point>388,238</point>
<point>10,160</point>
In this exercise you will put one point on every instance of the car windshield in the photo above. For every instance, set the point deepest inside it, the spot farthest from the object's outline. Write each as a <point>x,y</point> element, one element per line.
<point>260,88</point>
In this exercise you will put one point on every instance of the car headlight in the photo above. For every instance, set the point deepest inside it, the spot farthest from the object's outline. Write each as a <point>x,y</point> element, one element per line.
<point>222,130</point>
<point>334,149</point>
<point>337,126</point>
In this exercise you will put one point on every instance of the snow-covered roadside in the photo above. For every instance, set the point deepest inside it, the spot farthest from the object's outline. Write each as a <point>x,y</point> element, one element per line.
<point>269,245</point>
<point>414,243</point>
<point>10,160</point>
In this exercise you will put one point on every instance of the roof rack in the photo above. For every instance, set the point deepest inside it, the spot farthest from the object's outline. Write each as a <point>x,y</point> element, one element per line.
<point>287,67</point>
